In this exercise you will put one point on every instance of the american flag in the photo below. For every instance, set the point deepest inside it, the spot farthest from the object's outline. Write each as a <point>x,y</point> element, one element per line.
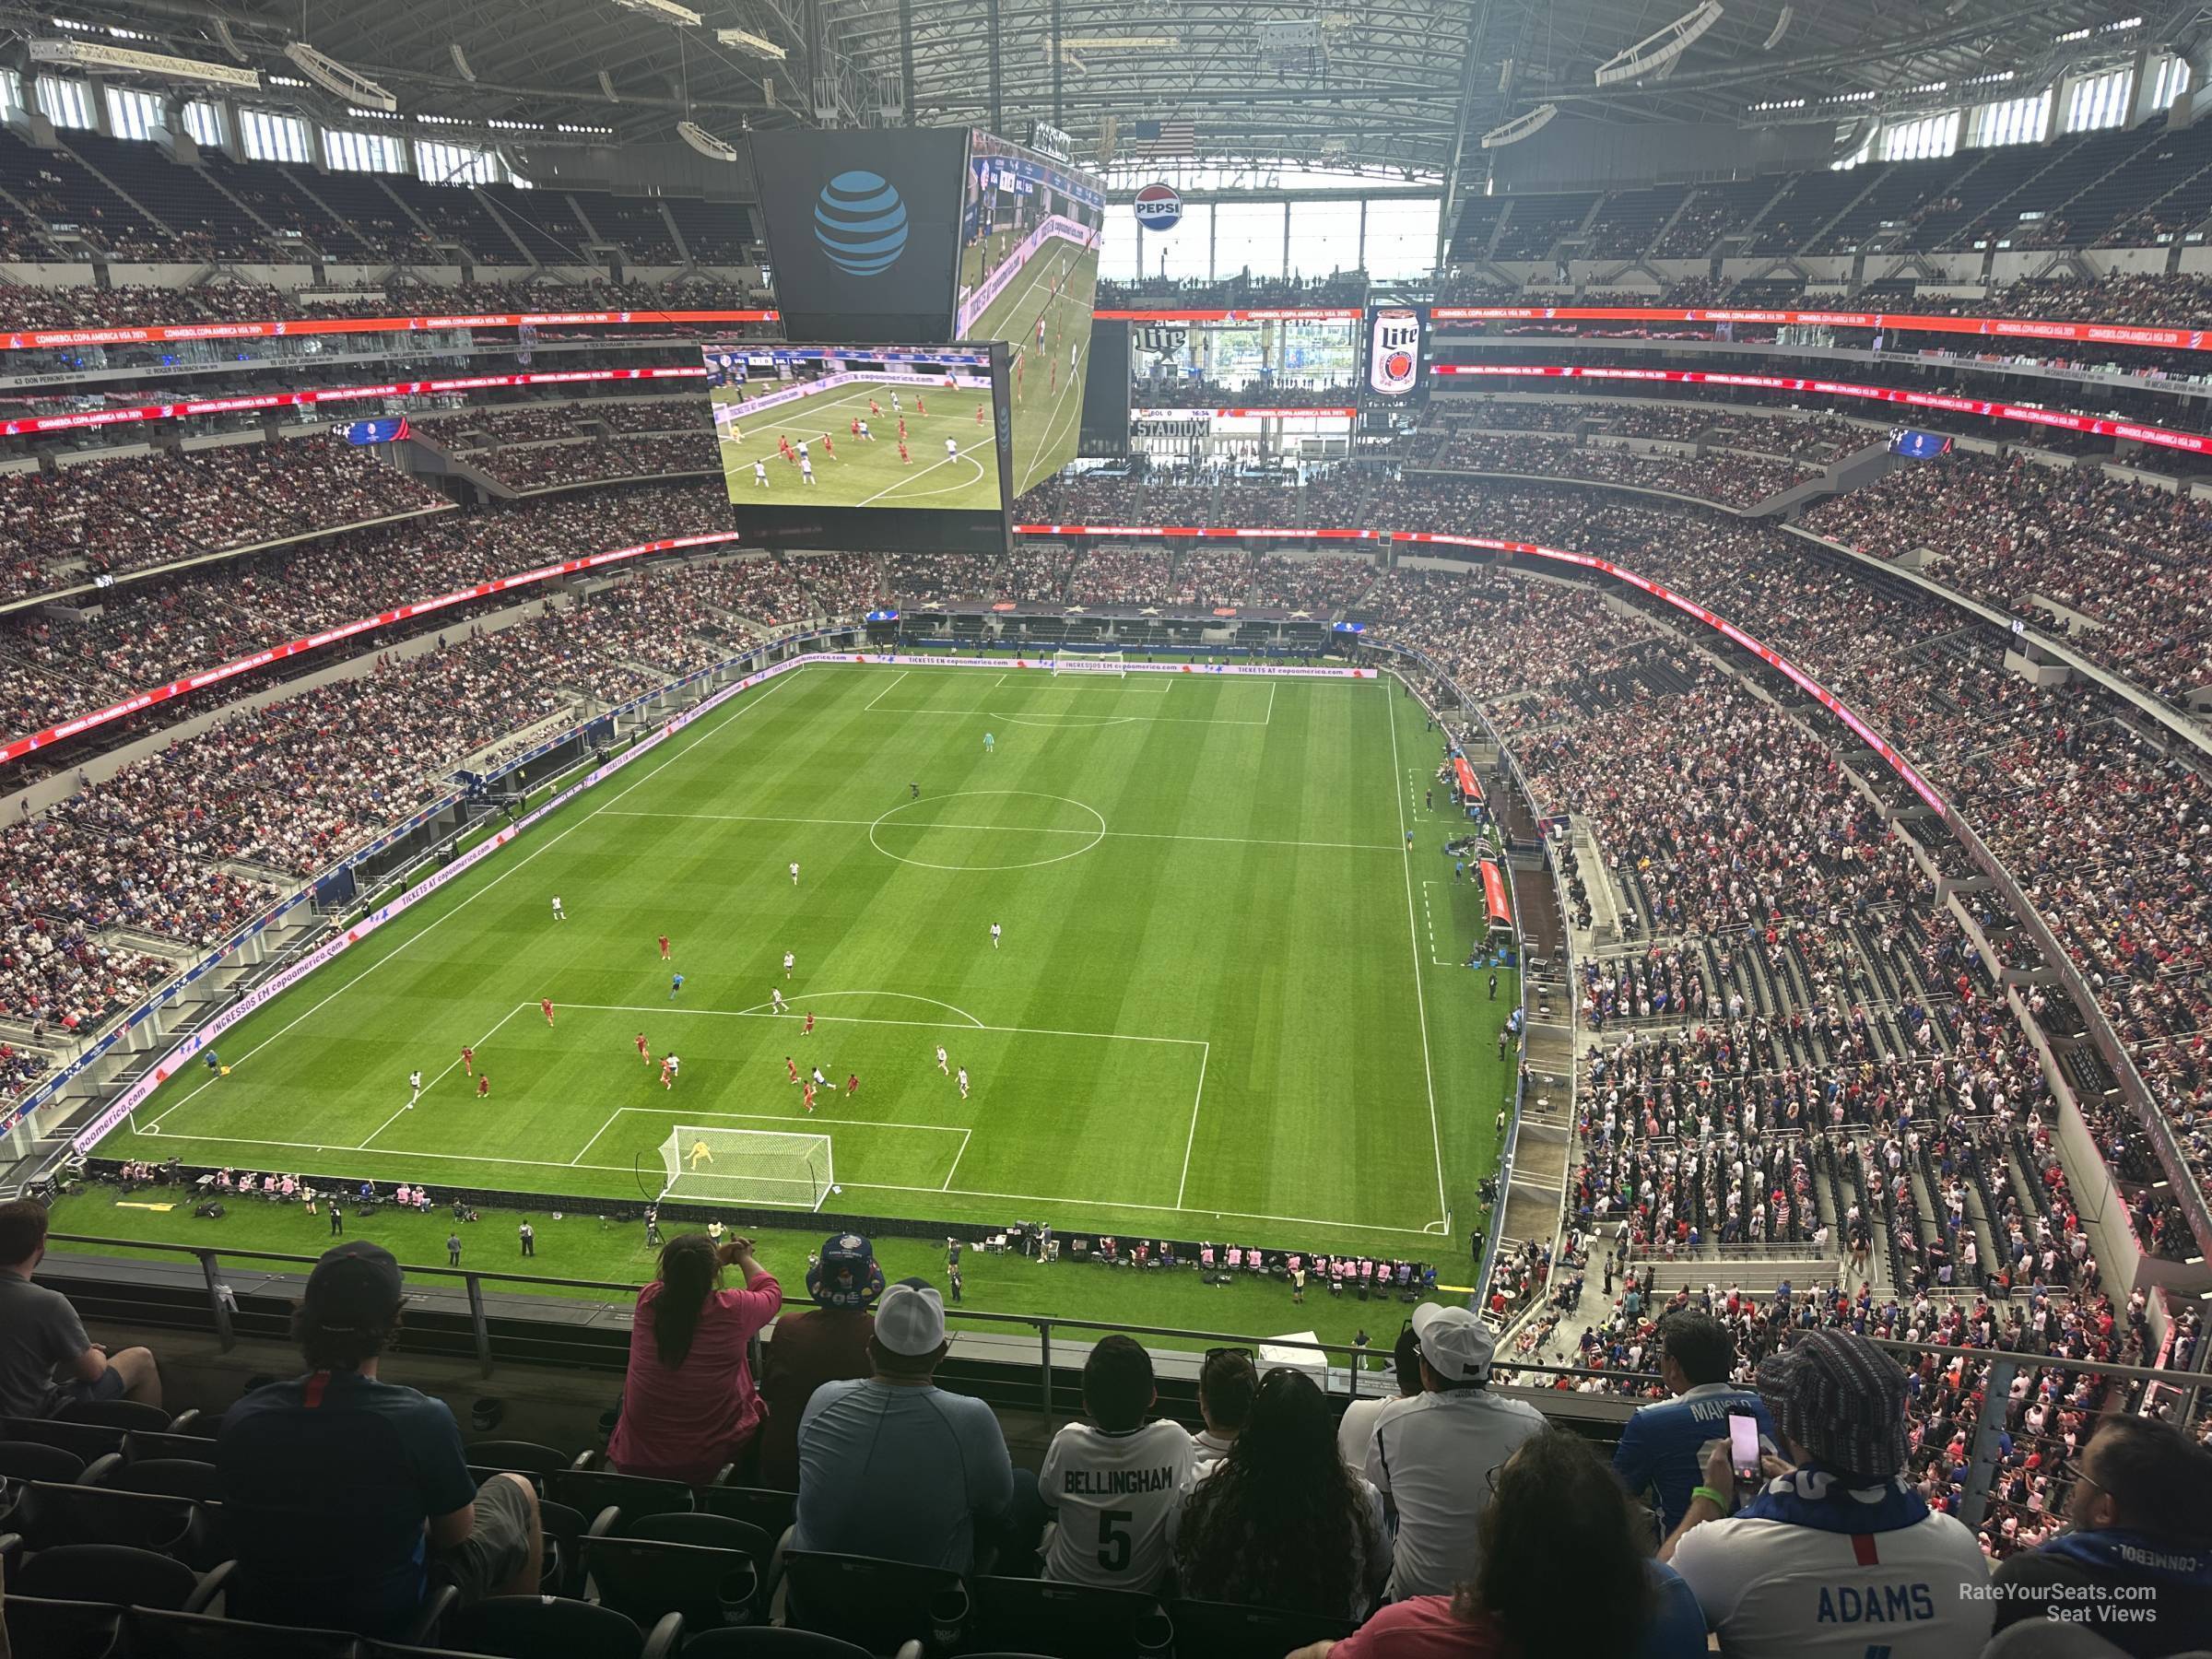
<point>1161,137</point>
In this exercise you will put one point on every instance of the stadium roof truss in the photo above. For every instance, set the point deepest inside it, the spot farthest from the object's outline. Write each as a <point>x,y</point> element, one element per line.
<point>1401,85</point>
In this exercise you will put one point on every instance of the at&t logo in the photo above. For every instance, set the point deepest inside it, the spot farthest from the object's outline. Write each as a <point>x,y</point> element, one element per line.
<point>860,223</point>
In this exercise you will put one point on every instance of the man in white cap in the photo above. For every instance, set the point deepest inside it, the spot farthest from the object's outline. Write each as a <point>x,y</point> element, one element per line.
<point>1432,1455</point>
<point>891,1465</point>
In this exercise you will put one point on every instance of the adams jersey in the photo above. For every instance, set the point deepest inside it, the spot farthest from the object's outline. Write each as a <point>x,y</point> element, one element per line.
<point>1917,1592</point>
<point>1113,1495</point>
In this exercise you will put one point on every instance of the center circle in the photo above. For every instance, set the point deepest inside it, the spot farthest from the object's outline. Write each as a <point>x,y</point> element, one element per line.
<point>1061,820</point>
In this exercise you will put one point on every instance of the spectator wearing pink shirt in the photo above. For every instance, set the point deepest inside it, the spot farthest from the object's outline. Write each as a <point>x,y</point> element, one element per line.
<point>689,1403</point>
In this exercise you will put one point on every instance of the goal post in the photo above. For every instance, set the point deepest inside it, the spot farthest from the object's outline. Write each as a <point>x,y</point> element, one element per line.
<point>1065,661</point>
<point>748,1166</point>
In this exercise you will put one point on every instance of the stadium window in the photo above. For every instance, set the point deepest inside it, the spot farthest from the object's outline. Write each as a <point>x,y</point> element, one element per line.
<point>364,152</point>
<point>1401,237</point>
<point>1118,253</point>
<point>2098,101</point>
<point>11,92</point>
<point>203,120</point>
<point>1325,237</point>
<point>439,163</point>
<point>2173,81</point>
<point>133,114</point>
<point>66,103</point>
<point>2015,120</point>
<point>272,137</point>
<point>1248,236</point>
<point>1919,140</point>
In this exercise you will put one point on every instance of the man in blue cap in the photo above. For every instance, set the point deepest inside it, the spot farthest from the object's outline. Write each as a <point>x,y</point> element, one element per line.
<point>827,1342</point>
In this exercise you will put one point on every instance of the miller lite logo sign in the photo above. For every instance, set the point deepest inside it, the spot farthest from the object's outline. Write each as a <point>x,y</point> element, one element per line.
<point>1394,359</point>
<point>1158,207</point>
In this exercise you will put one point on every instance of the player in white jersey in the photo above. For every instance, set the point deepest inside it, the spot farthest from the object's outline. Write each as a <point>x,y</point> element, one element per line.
<point>963,1082</point>
<point>806,470</point>
<point>787,959</point>
<point>415,1088</point>
<point>941,1060</point>
<point>794,875</point>
<point>994,936</point>
<point>894,400</point>
<point>761,474</point>
<point>558,915</point>
<point>775,1001</point>
<point>802,449</point>
<point>952,449</point>
<point>1116,1479</point>
<point>866,436</point>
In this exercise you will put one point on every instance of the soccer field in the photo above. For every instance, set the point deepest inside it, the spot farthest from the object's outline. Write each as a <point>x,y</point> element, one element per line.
<point>852,471</point>
<point>1225,1006</point>
<point>1047,396</point>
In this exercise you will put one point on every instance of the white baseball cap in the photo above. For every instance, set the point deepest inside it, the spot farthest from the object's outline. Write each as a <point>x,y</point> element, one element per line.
<point>1455,1343</point>
<point>909,1320</point>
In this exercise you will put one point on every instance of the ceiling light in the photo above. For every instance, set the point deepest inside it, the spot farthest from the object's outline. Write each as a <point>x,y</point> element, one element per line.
<point>751,44</point>
<point>1527,125</point>
<point>1655,52</point>
<point>333,77</point>
<point>666,10</point>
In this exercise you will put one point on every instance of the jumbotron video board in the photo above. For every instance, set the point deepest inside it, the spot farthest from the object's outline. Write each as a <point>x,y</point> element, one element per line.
<point>862,446</point>
<point>1031,229</point>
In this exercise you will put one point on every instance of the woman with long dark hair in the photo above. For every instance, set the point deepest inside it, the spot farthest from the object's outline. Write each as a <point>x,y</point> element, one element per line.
<point>1279,1520</point>
<point>1564,1573</point>
<point>689,1403</point>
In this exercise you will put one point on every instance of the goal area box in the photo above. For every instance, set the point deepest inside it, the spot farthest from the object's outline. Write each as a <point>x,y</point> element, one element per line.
<point>748,1166</point>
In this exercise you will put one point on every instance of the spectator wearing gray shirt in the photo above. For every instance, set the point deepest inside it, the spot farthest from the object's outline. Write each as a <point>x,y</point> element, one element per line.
<point>891,1465</point>
<point>46,1360</point>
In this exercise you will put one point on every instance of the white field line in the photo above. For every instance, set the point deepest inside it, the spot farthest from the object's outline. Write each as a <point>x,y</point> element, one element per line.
<point>926,1025</point>
<point>687,1114</point>
<point>612,1118</point>
<point>1074,1202</point>
<point>1189,1137</point>
<point>1235,840</point>
<point>886,692</point>
<point>965,1133</point>
<point>1420,996</point>
<point>1045,714</point>
<point>441,1076</point>
<point>678,749</point>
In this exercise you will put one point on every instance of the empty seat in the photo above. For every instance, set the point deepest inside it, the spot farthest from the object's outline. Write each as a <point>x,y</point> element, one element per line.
<point>106,1572</point>
<point>146,1443</point>
<point>518,1457</point>
<point>877,1604</point>
<point>88,1440</point>
<point>710,1531</point>
<point>646,1580</point>
<point>776,1641</point>
<point>158,1634</point>
<point>1064,1621</point>
<point>771,1511</point>
<point>591,1490</point>
<point>62,1629</point>
<point>116,1414</point>
<point>176,1477</point>
<point>533,1627</point>
<point>52,1514</point>
<point>34,1460</point>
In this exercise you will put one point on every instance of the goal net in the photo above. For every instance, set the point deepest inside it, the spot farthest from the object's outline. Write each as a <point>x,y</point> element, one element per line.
<point>748,1166</point>
<point>1090,661</point>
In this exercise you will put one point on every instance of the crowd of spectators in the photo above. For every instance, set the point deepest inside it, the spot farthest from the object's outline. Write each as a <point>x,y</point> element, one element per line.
<point>1328,584</point>
<point>597,460</point>
<point>233,300</point>
<point>1120,576</point>
<point>1196,392</point>
<point>1079,498</point>
<point>1730,479</point>
<point>107,517</point>
<point>1338,289</point>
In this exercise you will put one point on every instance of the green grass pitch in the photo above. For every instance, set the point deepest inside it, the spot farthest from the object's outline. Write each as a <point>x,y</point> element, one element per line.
<point>1225,1005</point>
<point>852,472</point>
<point>1048,399</point>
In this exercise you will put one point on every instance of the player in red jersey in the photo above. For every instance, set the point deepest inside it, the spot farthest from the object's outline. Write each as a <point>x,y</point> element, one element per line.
<point>641,1054</point>
<point>668,1072</point>
<point>852,1084</point>
<point>874,407</point>
<point>905,459</point>
<point>791,1068</point>
<point>979,414</point>
<point>855,426</point>
<point>810,1097</point>
<point>920,406</point>
<point>663,947</point>
<point>828,448</point>
<point>483,1086</point>
<point>901,426</point>
<point>545,1006</point>
<point>808,1030</point>
<point>468,1061</point>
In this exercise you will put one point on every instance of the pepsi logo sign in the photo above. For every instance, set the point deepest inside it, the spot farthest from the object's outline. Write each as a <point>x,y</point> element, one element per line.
<point>1158,207</point>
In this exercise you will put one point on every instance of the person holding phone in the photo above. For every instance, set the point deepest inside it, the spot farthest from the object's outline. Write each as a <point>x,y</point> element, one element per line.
<point>1663,1448</point>
<point>689,1403</point>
